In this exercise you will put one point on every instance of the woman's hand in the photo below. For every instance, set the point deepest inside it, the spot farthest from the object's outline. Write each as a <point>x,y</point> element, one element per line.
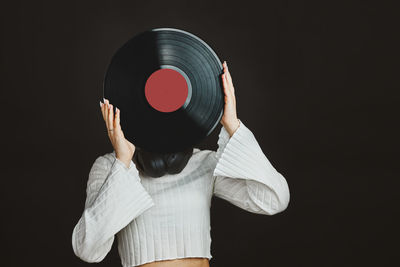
<point>124,149</point>
<point>229,119</point>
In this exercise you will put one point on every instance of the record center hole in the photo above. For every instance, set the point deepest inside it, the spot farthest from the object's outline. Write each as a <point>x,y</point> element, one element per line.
<point>166,90</point>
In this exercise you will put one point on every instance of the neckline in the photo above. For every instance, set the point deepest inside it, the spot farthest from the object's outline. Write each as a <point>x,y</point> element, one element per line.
<point>167,177</point>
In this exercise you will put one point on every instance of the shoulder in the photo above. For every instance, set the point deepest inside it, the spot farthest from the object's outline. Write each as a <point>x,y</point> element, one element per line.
<point>204,155</point>
<point>202,152</point>
<point>198,156</point>
<point>104,161</point>
<point>203,162</point>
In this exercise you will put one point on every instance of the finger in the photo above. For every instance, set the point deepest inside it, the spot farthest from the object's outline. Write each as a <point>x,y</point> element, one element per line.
<point>229,88</point>
<point>118,123</point>
<point>106,112</point>
<point>102,110</point>
<point>225,68</point>
<point>117,126</point>
<point>230,83</point>
<point>226,71</point>
<point>110,117</point>
<point>101,107</point>
<point>229,77</point>
<point>224,83</point>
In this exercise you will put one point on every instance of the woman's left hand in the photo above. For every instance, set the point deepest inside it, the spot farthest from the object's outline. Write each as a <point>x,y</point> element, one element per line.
<point>229,119</point>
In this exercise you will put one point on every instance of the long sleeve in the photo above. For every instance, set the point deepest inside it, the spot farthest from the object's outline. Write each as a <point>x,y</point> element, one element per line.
<point>244,176</point>
<point>114,197</point>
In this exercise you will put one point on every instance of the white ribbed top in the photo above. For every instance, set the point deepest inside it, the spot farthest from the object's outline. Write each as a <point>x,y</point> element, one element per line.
<point>169,217</point>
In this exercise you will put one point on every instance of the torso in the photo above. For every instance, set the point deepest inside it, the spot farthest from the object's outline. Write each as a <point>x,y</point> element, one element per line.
<point>185,262</point>
<point>166,230</point>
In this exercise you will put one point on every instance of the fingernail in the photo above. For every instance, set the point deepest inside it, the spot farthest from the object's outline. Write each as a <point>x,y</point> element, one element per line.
<point>100,103</point>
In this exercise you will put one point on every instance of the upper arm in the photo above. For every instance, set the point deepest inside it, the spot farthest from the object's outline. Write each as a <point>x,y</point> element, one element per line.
<point>97,175</point>
<point>114,198</point>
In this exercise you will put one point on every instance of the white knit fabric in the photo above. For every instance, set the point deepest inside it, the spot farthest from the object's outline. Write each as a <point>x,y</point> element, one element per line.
<point>169,217</point>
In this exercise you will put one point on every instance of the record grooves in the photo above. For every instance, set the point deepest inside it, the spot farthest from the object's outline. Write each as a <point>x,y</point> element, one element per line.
<point>167,84</point>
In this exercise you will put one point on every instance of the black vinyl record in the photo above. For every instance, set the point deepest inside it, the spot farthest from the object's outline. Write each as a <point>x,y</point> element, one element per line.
<point>166,83</point>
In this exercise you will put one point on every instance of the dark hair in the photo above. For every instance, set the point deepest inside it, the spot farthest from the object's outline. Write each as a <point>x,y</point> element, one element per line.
<point>156,164</point>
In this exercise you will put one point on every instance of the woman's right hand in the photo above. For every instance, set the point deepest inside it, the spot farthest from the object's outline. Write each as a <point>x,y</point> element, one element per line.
<point>124,149</point>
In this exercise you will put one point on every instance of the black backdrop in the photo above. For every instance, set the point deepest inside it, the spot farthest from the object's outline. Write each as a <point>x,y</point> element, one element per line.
<point>315,81</point>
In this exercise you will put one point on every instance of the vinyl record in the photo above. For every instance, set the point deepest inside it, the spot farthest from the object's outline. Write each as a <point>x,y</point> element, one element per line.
<point>167,84</point>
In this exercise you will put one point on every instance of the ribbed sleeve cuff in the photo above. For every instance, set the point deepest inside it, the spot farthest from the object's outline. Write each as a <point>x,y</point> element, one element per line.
<point>223,139</point>
<point>240,156</point>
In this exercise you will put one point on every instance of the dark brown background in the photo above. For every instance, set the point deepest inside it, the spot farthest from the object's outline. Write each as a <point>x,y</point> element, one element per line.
<point>315,81</point>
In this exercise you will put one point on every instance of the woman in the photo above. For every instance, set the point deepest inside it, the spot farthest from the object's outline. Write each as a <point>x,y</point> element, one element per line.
<point>165,221</point>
